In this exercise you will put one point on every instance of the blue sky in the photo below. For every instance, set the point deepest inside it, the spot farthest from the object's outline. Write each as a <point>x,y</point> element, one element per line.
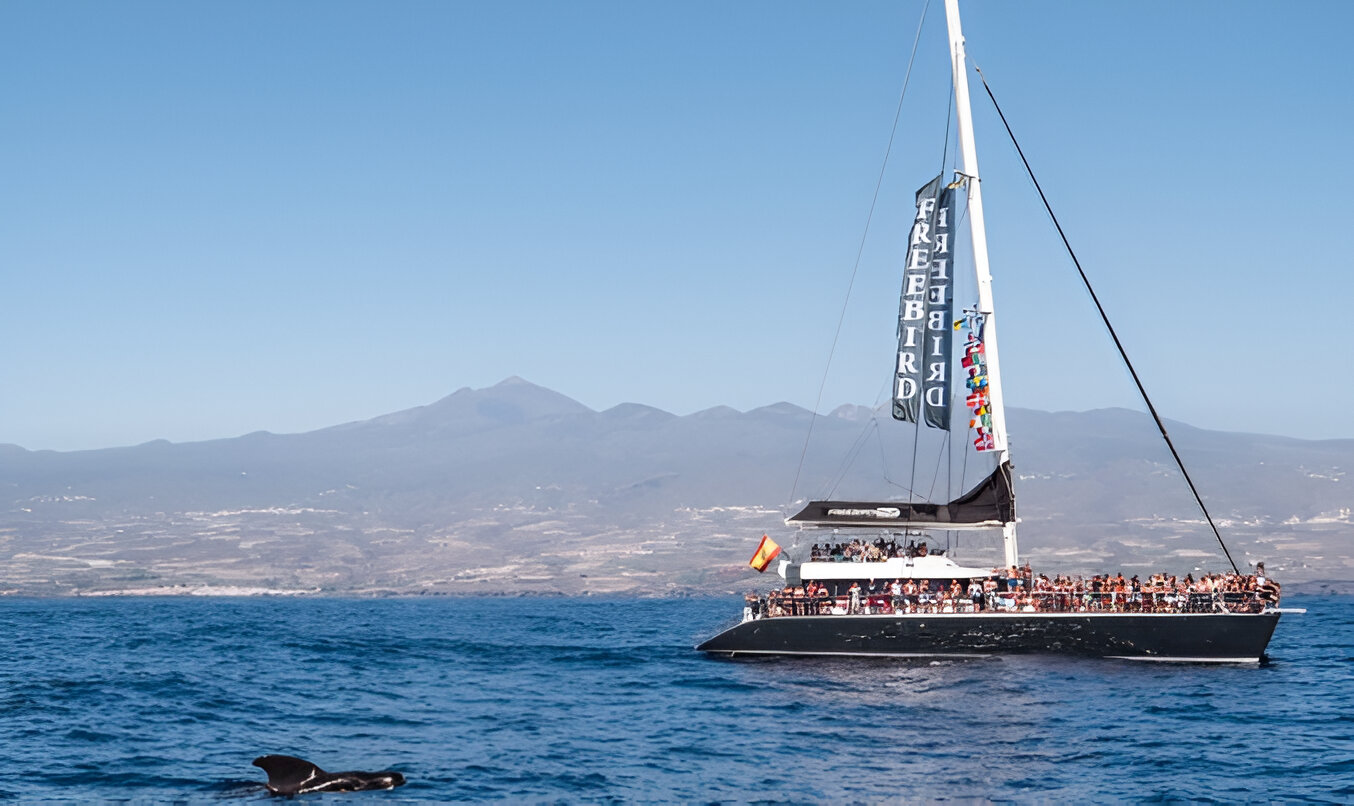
<point>217,218</point>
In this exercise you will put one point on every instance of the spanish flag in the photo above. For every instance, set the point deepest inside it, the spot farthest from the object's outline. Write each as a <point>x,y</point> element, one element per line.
<point>766,552</point>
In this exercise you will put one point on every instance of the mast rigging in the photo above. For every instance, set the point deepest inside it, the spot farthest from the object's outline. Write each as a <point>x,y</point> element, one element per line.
<point>1104,317</point>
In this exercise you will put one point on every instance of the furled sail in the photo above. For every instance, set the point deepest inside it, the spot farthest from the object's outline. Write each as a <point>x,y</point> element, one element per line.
<point>925,311</point>
<point>988,505</point>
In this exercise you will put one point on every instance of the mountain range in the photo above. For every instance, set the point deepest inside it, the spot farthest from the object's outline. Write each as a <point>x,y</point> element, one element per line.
<point>516,488</point>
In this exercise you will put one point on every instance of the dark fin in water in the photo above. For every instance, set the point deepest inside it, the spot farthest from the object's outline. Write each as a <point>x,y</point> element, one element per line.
<point>289,775</point>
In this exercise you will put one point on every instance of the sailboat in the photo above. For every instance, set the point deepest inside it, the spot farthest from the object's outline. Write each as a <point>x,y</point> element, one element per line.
<point>892,596</point>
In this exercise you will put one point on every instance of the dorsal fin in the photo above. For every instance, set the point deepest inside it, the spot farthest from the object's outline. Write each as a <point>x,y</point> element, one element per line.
<point>287,774</point>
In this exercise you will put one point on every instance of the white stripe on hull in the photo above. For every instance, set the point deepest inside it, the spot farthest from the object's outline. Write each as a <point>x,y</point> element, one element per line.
<point>967,655</point>
<point>1160,659</point>
<point>972,656</point>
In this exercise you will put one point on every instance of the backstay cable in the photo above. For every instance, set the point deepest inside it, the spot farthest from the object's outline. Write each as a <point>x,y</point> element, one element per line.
<point>860,250</point>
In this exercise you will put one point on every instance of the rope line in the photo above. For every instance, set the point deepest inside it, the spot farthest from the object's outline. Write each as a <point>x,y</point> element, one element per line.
<point>1104,317</point>
<point>860,250</point>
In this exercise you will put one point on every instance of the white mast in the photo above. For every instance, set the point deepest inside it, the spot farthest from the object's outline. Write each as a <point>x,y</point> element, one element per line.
<point>977,226</point>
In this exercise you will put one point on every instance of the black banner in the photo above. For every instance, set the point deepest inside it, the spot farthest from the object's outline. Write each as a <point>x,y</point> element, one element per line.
<point>925,311</point>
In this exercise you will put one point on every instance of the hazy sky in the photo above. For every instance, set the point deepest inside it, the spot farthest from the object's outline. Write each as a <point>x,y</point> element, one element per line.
<point>220,217</point>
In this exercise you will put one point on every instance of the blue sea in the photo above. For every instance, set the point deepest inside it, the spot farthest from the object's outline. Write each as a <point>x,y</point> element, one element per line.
<point>584,700</point>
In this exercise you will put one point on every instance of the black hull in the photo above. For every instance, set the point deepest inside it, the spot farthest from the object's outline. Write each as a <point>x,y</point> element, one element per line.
<point>1197,637</point>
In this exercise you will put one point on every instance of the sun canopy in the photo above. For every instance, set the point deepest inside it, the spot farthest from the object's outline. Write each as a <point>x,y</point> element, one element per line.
<point>989,505</point>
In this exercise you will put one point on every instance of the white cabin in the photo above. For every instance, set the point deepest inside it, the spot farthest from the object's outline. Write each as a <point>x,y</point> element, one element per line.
<point>929,567</point>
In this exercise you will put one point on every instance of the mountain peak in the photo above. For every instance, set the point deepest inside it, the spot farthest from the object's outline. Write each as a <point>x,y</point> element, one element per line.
<point>850,411</point>
<point>780,409</point>
<point>637,411</point>
<point>716,412</point>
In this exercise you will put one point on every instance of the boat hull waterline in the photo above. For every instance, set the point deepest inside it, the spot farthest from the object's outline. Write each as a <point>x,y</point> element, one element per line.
<point>1180,637</point>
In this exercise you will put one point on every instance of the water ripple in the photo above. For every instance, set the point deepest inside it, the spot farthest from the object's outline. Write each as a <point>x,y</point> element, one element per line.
<point>602,701</point>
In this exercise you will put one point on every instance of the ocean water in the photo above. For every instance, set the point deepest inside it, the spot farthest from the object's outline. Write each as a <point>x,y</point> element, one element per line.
<point>603,700</point>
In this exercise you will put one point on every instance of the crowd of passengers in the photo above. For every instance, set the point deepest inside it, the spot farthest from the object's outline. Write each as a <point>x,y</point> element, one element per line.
<point>1020,590</point>
<point>861,551</point>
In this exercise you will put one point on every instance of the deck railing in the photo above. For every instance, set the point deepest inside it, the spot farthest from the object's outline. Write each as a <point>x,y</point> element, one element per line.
<point>779,604</point>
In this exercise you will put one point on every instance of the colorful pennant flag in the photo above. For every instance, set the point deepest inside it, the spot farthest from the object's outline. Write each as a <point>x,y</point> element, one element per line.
<point>974,361</point>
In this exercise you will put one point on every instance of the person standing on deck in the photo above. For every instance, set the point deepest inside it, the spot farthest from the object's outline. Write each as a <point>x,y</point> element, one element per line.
<point>975,594</point>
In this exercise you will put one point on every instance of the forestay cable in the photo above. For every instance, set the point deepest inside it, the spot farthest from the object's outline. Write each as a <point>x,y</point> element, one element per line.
<point>1161,426</point>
